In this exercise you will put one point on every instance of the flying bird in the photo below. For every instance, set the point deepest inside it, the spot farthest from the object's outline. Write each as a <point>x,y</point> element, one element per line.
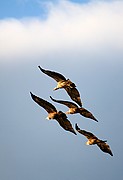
<point>54,114</point>
<point>92,139</point>
<point>73,109</point>
<point>62,82</point>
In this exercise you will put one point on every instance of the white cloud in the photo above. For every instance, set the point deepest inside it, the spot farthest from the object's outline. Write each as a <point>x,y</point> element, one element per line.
<point>91,28</point>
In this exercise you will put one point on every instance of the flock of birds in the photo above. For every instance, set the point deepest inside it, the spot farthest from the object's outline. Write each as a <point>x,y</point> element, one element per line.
<point>76,107</point>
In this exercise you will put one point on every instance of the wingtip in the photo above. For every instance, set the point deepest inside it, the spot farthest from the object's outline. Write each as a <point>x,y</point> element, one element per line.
<point>111,154</point>
<point>41,68</point>
<point>76,127</point>
<point>95,119</point>
<point>31,93</point>
<point>79,103</point>
<point>74,133</point>
<point>51,97</point>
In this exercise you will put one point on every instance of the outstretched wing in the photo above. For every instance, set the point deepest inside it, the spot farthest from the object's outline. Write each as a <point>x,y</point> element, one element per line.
<point>64,122</point>
<point>74,95</point>
<point>43,103</point>
<point>105,147</point>
<point>84,112</point>
<point>87,134</point>
<point>66,103</point>
<point>57,76</point>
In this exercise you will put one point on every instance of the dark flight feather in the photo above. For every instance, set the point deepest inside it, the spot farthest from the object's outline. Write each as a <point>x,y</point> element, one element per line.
<point>43,103</point>
<point>87,134</point>
<point>66,103</point>
<point>56,76</point>
<point>74,95</point>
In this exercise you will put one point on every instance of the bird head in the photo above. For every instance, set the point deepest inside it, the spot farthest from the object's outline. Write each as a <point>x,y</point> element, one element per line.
<point>87,143</point>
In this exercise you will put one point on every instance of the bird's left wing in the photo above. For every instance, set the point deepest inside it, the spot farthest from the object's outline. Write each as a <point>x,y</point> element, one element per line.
<point>74,95</point>
<point>66,103</point>
<point>43,103</point>
<point>87,134</point>
<point>56,76</point>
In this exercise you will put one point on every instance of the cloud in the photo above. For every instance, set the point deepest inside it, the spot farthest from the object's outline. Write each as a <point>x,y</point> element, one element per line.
<point>87,29</point>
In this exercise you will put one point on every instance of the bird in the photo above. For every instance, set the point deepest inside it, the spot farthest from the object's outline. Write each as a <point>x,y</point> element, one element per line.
<point>92,139</point>
<point>62,82</point>
<point>73,109</point>
<point>59,116</point>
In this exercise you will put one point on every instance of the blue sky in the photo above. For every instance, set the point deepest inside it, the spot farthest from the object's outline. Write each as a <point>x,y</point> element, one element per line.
<point>83,40</point>
<point>22,8</point>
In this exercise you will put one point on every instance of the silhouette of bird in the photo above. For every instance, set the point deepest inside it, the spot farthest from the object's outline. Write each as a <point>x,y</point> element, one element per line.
<point>54,114</point>
<point>92,139</point>
<point>73,109</point>
<point>62,82</point>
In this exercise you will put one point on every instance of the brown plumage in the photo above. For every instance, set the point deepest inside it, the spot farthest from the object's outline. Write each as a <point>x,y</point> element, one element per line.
<point>92,139</point>
<point>73,109</point>
<point>62,82</point>
<point>54,114</point>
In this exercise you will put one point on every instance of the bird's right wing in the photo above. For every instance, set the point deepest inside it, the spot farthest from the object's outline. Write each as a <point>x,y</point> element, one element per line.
<point>84,112</point>
<point>43,103</point>
<point>74,95</point>
<point>64,122</point>
<point>56,76</point>
<point>105,147</point>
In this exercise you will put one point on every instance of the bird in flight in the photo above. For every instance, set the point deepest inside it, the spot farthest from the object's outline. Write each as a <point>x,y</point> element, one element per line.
<point>62,82</point>
<point>73,109</point>
<point>92,139</point>
<point>59,116</point>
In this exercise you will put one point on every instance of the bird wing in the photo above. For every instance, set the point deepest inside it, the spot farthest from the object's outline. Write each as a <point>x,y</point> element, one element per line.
<point>74,95</point>
<point>105,147</point>
<point>43,103</point>
<point>66,103</point>
<point>84,112</point>
<point>87,134</point>
<point>56,76</point>
<point>64,122</point>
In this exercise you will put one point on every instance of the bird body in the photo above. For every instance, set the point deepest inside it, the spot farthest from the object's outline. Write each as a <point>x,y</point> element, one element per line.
<point>64,84</point>
<point>92,139</point>
<point>54,114</point>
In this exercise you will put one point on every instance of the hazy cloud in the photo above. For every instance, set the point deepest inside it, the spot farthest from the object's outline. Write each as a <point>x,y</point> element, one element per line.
<point>85,28</point>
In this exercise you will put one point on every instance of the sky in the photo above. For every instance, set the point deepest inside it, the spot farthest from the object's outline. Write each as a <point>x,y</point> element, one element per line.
<point>83,40</point>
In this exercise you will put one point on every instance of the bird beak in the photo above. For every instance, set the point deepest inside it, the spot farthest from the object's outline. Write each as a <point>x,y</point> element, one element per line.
<point>87,143</point>
<point>55,88</point>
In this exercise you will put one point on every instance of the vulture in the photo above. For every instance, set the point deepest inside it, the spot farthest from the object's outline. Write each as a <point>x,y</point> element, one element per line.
<point>62,82</point>
<point>92,139</point>
<point>59,116</point>
<point>73,109</point>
